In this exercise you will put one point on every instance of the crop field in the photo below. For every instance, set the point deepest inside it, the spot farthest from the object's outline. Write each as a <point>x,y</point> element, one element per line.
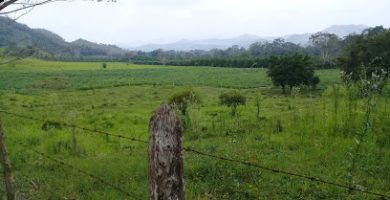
<point>329,133</point>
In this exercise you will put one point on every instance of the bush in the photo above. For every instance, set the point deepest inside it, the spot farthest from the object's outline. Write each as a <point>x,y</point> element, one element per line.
<point>233,100</point>
<point>104,65</point>
<point>182,99</point>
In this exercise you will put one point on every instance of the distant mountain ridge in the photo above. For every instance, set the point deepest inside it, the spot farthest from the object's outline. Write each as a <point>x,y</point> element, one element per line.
<point>339,30</point>
<point>207,44</point>
<point>54,46</point>
<point>344,30</point>
<point>246,40</point>
<point>13,34</point>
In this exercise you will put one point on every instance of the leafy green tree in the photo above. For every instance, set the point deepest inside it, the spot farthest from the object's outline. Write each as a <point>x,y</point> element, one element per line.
<point>291,71</point>
<point>367,53</point>
<point>232,99</point>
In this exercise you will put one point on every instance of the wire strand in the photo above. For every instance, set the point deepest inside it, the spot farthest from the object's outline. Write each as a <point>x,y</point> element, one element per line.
<point>311,178</point>
<point>101,180</point>
<point>78,127</point>
<point>278,171</point>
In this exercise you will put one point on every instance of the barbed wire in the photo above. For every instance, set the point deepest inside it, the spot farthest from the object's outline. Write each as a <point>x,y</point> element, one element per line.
<point>272,170</point>
<point>25,194</point>
<point>278,171</point>
<point>101,180</point>
<point>77,127</point>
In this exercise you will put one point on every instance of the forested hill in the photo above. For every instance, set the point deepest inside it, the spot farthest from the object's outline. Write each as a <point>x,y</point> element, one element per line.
<point>49,45</point>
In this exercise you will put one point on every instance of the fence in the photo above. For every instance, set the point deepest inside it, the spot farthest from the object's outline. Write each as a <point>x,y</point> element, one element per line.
<point>165,173</point>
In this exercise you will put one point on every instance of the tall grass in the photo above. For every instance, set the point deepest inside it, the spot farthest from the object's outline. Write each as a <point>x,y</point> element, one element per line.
<point>309,134</point>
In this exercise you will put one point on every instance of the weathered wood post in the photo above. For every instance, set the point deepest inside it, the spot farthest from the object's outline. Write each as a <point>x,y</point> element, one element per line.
<point>6,164</point>
<point>165,156</point>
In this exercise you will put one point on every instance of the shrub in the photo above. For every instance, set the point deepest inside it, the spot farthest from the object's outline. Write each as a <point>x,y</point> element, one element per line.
<point>233,100</point>
<point>104,65</point>
<point>182,99</point>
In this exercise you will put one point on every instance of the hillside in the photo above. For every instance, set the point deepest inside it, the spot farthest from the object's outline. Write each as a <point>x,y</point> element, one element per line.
<point>207,44</point>
<point>51,45</point>
<point>246,40</point>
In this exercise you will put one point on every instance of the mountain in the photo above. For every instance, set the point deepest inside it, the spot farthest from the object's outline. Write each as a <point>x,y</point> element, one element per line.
<point>51,45</point>
<point>339,30</point>
<point>207,44</point>
<point>302,39</point>
<point>246,40</point>
<point>344,30</point>
<point>87,48</point>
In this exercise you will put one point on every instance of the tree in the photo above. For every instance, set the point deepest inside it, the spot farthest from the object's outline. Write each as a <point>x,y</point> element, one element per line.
<point>232,99</point>
<point>327,43</point>
<point>366,53</point>
<point>15,54</point>
<point>276,48</point>
<point>290,71</point>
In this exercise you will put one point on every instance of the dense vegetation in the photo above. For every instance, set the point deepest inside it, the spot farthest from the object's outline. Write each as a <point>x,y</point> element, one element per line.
<point>367,53</point>
<point>18,37</point>
<point>256,56</point>
<point>309,132</point>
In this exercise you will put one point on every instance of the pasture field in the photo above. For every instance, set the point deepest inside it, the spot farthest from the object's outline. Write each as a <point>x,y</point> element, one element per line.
<point>27,75</point>
<point>320,133</point>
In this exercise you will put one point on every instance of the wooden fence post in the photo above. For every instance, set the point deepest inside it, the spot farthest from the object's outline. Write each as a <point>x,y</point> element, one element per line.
<point>6,164</point>
<point>165,157</point>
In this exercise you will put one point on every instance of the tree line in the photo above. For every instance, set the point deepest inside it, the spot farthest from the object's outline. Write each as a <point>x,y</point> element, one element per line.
<point>323,50</point>
<point>364,57</point>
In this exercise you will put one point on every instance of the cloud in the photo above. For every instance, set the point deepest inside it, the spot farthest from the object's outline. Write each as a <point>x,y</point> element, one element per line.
<point>153,20</point>
<point>166,3</point>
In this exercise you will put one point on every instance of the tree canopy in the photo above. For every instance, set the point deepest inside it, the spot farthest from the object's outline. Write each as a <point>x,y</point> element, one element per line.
<point>367,53</point>
<point>291,71</point>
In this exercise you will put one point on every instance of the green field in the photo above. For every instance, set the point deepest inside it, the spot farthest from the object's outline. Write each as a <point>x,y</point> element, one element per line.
<point>310,133</point>
<point>28,75</point>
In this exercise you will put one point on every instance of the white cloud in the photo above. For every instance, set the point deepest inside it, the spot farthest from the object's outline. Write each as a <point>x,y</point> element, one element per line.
<point>154,20</point>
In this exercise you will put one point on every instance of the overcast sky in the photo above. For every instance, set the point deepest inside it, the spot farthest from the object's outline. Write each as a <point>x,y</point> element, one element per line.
<point>137,22</point>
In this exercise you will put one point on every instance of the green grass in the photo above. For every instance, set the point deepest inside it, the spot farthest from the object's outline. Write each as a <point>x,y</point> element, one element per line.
<point>313,141</point>
<point>28,75</point>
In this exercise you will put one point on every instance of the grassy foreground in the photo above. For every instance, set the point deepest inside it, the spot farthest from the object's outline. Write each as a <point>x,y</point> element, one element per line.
<point>313,134</point>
